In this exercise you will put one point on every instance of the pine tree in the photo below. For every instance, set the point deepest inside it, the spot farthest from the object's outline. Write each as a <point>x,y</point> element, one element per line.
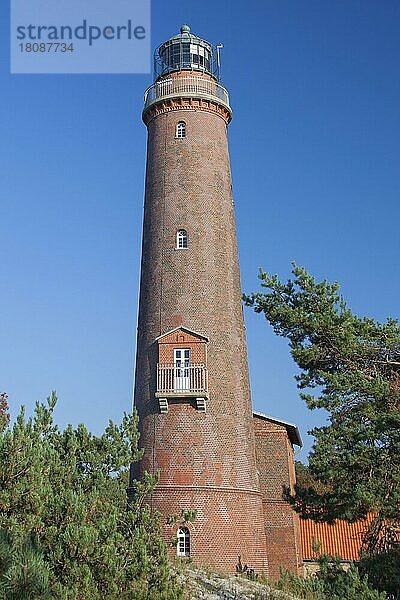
<point>69,489</point>
<point>4,414</point>
<point>349,366</point>
<point>24,574</point>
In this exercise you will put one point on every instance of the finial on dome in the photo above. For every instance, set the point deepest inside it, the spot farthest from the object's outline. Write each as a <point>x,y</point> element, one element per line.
<point>185,29</point>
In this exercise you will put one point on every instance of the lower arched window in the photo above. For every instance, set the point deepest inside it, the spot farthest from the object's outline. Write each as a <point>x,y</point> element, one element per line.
<point>183,547</point>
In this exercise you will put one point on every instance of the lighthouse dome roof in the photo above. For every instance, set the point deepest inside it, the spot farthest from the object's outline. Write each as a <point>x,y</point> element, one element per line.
<point>186,34</point>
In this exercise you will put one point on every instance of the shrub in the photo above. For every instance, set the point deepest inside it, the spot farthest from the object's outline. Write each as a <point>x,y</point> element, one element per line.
<point>331,582</point>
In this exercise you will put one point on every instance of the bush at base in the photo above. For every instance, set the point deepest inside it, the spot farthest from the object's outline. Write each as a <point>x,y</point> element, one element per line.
<point>331,582</point>
<point>67,489</point>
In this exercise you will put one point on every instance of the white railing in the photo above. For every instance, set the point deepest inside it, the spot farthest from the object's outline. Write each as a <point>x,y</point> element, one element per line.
<point>186,87</point>
<point>178,379</point>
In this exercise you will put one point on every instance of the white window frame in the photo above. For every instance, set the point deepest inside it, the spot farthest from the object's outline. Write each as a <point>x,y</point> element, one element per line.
<point>180,132</point>
<point>182,239</point>
<point>183,545</point>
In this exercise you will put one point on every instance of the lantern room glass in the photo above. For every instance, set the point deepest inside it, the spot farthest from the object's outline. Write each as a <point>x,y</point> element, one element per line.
<point>184,52</point>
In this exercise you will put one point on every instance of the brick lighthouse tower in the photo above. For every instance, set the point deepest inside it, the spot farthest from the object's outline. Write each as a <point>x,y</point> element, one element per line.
<point>192,384</point>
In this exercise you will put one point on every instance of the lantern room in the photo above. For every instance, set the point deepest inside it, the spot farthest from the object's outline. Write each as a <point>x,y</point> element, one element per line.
<point>185,52</point>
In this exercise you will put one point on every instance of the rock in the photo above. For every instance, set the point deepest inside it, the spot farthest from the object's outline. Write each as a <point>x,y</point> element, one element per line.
<point>202,584</point>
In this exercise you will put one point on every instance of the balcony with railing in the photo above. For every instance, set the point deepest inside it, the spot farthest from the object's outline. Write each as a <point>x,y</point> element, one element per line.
<point>186,87</point>
<point>175,380</point>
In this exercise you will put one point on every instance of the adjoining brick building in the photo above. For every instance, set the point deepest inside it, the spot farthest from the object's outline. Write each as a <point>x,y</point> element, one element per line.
<point>192,387</point>
<point>275,460</point>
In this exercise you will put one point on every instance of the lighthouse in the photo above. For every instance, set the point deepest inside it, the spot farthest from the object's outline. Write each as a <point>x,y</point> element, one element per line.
<point>192,388</point>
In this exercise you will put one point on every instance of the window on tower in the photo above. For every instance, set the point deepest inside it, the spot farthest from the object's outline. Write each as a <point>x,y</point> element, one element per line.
<point>181,239</point>
<point>183,547</point>
<point>181,129</point>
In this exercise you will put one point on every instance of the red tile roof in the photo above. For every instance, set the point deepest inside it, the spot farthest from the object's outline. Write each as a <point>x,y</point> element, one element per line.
<point>341,539</point>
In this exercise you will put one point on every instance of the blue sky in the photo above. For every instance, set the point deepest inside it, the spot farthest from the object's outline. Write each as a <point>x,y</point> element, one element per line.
<point>314,145</point>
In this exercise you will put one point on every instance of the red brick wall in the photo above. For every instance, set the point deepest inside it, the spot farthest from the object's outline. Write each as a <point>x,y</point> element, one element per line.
<point>219,533</point>
<point>206,460</point>
<point>275,460</point>
<point>182,339</point>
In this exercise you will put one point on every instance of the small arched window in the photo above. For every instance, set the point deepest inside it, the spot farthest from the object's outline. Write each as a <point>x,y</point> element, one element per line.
<point>181,239</point>
<point>183,547</point>
<point>181,129</point>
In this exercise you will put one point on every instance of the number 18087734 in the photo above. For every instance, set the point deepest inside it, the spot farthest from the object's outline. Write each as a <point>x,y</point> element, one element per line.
<point>46,47</point>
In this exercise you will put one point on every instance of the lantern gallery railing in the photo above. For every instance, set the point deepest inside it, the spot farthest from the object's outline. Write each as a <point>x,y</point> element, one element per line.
<point>186,87</point>
<point>178,380</point>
